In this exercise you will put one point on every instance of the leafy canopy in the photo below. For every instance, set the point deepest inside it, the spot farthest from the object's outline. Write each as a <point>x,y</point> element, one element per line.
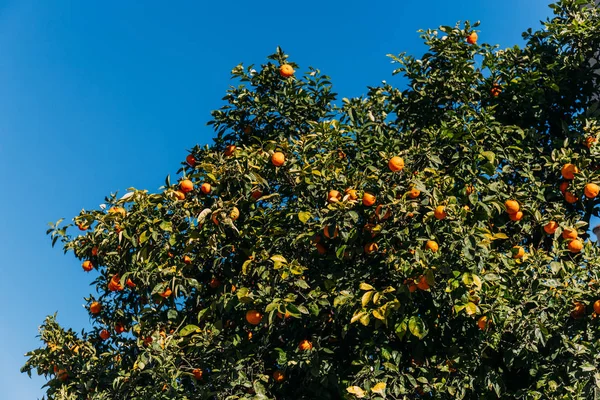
<point>379,258</point>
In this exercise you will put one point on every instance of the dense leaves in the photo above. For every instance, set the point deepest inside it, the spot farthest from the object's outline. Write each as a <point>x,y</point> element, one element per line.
<point>417,243</point>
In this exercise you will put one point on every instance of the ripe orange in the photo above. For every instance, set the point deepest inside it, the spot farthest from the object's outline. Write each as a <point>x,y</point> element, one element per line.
<point>575,246</point>
<point>334,196</point>
<point>82,227</point>
<point>568,171</point>
<point>119,328</point>
<point>186,186</point>
<point>422,283</point>
<point>472,38</point>
<point>104,334</point>
<point>569,233</point>
<point>187,260</point>
<point>61,374</point>
<point>321,249</point>
<point>330,232</point>
<point>95,307</point>
<point>305,345</point>
<point>115,283</point>
<point>578,310</point>
<point>482,323</point>
<point>440,212</point>
<point>278,376</point>
<point>205,188</point>
<point>563,187</point>
<point>277,159</point>
<point>432,245</point>
<point>87,266</point>
<point>130,283</point>
<point>550,227</point>
<point>371,248</point>
<point>380,217</point>
<point>118,210</point>
<point>396,164</point>
<point>256,194</point>
<point>352,195</point>
<point>234,214</point>
<point>518,252</point>
<point>166,293</point>
<point>286,70</point>
<point>368,199</point>
<point>412,286</point>
<point>191,160</point>
<point>214,283</point>
<point>94,251</point>
<point>413,193</point>
<point>496,90</point>
<point>570,198</point>
<point>589,141</point>
<point>512,206</point>
<point>470,189</point>
<point>197,374</point>
<point>179,195</point>
<point>254,317</point>
<point>516,216</point>
<point>597,306</point>
<point>591,190</point>
<point>229,150</point>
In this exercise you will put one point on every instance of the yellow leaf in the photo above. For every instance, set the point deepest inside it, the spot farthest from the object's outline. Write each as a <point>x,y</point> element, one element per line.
<point>357,391</point>
<point>365,319</point>
<point>379,388</point>
<point>357,316</point>
<point>471,308</point>
<point>366,298</point>
<point>366,286</point>
<point>379,314</point>
<point>477,281</point>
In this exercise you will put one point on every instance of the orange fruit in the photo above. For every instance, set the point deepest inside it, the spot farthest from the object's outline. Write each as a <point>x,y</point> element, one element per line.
<point>396,164</point>
<point>197,374</point>
<point>166,293</point>
<point>518,252</point>
<point>94,251</point>
<point>472,38</point>
<point>95,307</point>
<point>578,310</point>
<point>569,234</point>
<point>440,212</point>
<point>321,249</point>
<point>214,283</point>
<point>115,283</point>
<point>591,190</point>
<point>413,193</point>
<point>371,248</point>
<point>186,186</point>
<point>597,306</point>
<point>187,260</point>
<point>305,345</point>
<point>516,216</point>
<point>191,160</point>
<point>330,232</point>
<point>482,323</point>
<point>278,376</point>
<point>550,227</point>
<point>512,206</point>
<point>256,194</point>
<point>568,171</point>
<point>380,217</point>
<point>277,159</point>
<point>61,374</point>
<point>470,189</point>
<point>334,196</point>
<point>118,210</point>
<point>570,198</point>
<point>432,245</point>
<point>119,328</point>
<point>234,214</point>
<point>575,246</point>
<point>229,150</point>
<point>412,286</point>
<point>130,283</point>
<point>496,90</point>
<point>205,188</point>
<point>589,141</point>
<point>422,283</point>
<point>286,70</point>
<point>368,199</point>
<point>563,187</point>
<point>352,195</point>
<point>254,317</point>
<point>87,266</point>
<point>104,334</point>
<point>179,195</point>
<point>82,227</point>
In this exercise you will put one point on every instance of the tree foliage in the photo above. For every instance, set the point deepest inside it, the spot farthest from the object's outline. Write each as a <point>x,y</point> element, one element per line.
<point>344,272</point>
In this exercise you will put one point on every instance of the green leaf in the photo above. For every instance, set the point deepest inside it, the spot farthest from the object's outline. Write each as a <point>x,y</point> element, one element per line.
<point>416,327</point>
<point>188,329</point>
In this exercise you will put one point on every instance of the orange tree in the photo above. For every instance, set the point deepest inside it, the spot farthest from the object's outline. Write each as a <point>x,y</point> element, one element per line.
<point>421,243</point>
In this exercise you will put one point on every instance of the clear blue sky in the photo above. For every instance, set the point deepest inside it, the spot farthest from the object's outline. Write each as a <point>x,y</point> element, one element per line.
<point>101,96</point>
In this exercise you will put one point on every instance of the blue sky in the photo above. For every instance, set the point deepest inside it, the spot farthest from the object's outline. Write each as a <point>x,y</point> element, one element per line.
<point>101,96</point>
